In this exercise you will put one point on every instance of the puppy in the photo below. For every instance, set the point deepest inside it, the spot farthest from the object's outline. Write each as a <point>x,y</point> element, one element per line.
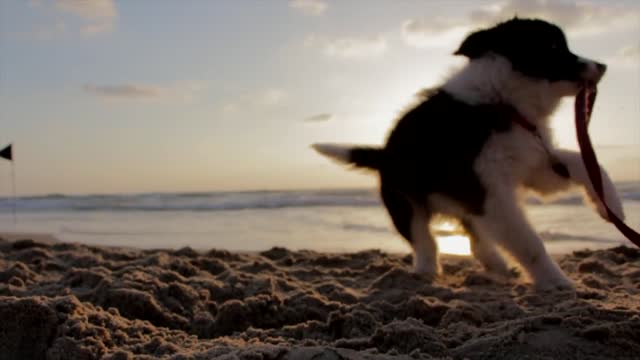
<point>470,145</point>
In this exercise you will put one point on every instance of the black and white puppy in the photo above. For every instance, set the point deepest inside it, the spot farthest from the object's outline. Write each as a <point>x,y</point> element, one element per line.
<point>469,147</point>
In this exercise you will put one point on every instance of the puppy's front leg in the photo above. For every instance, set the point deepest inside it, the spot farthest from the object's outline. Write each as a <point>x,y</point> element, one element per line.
<point>579,175</point>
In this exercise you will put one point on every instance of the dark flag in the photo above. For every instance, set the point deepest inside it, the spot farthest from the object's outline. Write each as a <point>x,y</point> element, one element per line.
<point>7,153</point>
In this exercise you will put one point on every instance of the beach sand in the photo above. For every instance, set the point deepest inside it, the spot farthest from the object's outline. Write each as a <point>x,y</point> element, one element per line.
<point>71,301</point>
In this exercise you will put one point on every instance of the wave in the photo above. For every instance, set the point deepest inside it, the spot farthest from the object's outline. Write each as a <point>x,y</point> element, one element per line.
<point>564,236</point>
<point>195,202</point>
<point>229,201</point>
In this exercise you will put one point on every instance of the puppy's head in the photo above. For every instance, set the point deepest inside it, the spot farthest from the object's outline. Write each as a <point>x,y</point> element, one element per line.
<point>535,49</point>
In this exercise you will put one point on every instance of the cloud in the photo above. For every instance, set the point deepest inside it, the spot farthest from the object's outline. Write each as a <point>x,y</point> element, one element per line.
<point>626,56</point>
<point>98,16</point>
<point>49,31</point>
<point>577,18</point>
<point>349,47</point>
<point>631,52</point>
<point>185,91</point>
<point>35,3</point>
<point>230,108</point>
<point>271,97</point>
<point>319,118</point>
<point>260,100</point>
<point>309,7</point>
<point>124,91</point>
<point>423,33</point>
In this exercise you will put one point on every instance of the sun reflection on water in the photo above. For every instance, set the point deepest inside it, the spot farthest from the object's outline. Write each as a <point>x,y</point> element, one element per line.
<point>454,244</point>
<point>451,238</point>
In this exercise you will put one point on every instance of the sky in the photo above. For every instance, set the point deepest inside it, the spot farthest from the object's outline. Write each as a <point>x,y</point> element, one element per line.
<point>108,96</point>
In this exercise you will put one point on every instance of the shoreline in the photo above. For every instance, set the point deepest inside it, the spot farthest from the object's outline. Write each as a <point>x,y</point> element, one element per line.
<point>40,237</point>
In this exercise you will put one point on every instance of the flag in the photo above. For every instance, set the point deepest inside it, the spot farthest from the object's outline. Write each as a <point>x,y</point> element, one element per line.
<point>7,153</point>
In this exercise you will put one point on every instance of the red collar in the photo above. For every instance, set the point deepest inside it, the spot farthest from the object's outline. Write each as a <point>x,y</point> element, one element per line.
<point>515,116</point>
<point>522,121</point>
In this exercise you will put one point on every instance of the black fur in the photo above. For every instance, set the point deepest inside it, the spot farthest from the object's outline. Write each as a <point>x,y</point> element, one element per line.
<point>431,151</point>
<point>366,157</point>
<point>433,147</point>
<point>535,48</point>
<point>399,207</point>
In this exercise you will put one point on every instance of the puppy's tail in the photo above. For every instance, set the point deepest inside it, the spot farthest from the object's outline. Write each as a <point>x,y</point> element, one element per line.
<point>359,156</point>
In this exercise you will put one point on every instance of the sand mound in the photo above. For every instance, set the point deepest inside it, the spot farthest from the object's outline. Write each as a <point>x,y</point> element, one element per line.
<point>70,301</point>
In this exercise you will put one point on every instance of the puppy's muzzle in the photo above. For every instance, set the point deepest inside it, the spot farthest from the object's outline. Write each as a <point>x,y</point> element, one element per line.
<point>593,71</point>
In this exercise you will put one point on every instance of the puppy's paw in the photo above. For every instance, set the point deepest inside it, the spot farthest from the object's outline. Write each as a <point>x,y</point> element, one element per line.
<point>613,201</point>
<point>600,209</point>
<point>427,269</point>
<point>550,277</point>
<point>610,196</point>
<point>502,270</point>
<point>558,283</point>
<point>616,209</point>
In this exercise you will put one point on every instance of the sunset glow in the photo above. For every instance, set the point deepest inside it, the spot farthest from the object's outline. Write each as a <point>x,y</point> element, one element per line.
<point>101,97</point>
<point>454,244</point>
<point>449,236</point>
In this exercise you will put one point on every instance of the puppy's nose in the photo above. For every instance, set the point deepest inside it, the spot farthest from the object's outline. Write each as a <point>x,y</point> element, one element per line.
<point>593,71</point>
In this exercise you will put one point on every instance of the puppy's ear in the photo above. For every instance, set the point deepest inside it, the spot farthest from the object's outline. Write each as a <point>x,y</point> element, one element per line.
<point>476,44</point>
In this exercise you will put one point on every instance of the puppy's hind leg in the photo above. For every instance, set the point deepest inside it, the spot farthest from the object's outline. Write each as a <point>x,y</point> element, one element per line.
<point>485,251</point>
<point>412,222</point>
<point>505,222</point>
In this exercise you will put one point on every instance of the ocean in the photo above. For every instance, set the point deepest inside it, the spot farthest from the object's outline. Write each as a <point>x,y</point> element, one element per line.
<point>321,220</point>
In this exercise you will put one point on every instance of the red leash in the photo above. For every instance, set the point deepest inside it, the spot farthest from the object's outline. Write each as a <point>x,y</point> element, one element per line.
<point>583,109</point>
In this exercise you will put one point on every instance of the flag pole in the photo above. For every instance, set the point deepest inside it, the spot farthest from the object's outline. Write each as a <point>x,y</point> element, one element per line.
<point>7,153</point>
<point>13,188</point>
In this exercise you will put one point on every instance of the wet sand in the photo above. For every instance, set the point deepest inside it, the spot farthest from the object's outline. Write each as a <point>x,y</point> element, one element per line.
<point>71,301</point>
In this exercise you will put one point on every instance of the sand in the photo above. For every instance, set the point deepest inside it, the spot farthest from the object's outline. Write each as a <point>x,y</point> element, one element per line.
<point>71,301</point>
